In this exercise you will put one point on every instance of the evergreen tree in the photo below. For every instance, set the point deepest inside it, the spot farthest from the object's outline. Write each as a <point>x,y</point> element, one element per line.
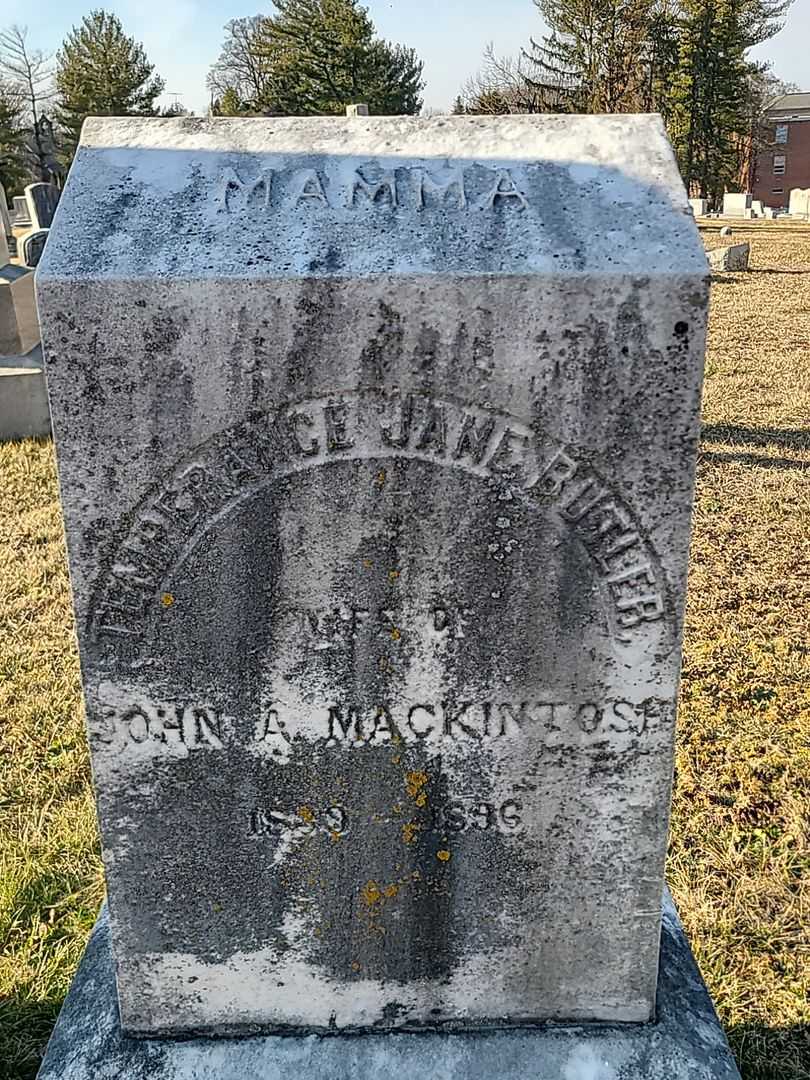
<point>592,60</point>
<point>102,72</point>
<point>14,173</point>
<point>709,101</point>
<point>229,104</point>
<point>320,55</point>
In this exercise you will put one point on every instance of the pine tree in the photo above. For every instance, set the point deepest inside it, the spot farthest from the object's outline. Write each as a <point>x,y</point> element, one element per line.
<point>591,61</point>
<point>13,167</point>
<point>320,55</point>
<point>709,101</point>
<point>102,72</point>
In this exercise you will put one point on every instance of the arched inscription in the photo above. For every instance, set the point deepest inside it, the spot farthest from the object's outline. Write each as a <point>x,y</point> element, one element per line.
<point>235,464</point>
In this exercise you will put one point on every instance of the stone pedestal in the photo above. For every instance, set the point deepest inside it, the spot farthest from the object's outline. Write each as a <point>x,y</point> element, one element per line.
<point>19,324</point>
<point>24,412</point>
<point>685,1043</point>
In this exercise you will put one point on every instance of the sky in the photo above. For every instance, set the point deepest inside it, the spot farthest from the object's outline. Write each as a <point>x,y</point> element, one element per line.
<point>183,37</point>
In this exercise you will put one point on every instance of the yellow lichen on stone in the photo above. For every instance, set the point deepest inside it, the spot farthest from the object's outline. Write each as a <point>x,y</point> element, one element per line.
<point>443,855</point>
<point>305,813</point>
<point>381,479</point>
<point>415,783</point>
<point>391,891</point>
<point>371,894</point>
<point>167,599</point>
<point>393,574</point>
<point>367,563</point>
<point>409,831</point>
<point>396,634</point>
<point>355,966</point>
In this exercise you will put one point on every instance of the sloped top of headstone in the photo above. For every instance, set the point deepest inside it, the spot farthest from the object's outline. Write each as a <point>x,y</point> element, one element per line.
<point>345,196</point>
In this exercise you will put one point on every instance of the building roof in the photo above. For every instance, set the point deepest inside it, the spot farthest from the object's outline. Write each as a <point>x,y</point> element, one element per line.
<point>791,103</point>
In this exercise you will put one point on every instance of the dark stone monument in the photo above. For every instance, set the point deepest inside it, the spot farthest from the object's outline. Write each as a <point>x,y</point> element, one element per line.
<point>42,200</point>
<point>377,504</point>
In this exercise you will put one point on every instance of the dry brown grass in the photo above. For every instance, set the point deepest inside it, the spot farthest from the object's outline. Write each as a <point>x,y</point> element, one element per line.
<point>739,852</point>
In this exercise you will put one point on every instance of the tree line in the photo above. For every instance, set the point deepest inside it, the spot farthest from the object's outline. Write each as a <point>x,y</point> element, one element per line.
<point>686,59</point>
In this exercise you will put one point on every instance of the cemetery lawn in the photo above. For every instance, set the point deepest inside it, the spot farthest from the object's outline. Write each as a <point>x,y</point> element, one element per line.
<point>740,857</point>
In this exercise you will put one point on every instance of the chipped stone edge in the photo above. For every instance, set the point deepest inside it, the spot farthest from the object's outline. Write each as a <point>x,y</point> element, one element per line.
<point>685,1043</point>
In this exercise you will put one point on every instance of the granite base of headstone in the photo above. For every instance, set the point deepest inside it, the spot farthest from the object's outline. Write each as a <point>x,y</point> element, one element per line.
<point>24,412</point>
<point>377,472</point>
<point>686,1041</point>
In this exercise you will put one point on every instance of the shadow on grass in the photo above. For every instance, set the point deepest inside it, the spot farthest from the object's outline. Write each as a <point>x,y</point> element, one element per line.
<point>760,461</point>
<point>771,1053</point>
<point>773,270</point>
<point>63,905</point>
<point>741,434</point>
<point>25,1027</point>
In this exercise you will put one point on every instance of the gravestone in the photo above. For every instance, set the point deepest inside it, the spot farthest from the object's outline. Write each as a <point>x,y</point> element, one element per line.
<point>5,217</point>
<point>732,257</point>
<point>799,204</point>
<point>22,218</point>
<point>42,200</point>
<point>377,485</point>
<point>32,246</point>
<point>19,323</point>
<point>699,207</point>
<point>737,204</point>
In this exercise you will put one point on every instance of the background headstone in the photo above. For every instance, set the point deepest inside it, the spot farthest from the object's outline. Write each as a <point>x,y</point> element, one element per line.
<point>5,216</point>
<point>699,207</point>
<point>22,218</point>
<point>733,257</point>
<point>799,205</point>
<point>737,204</point>
<point>42,200</point>
<point>32,246</point>
<point>377,485</point>
<point>19,324</point>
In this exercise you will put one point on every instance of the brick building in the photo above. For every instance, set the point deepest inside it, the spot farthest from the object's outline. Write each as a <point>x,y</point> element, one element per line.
<point>783,162</point>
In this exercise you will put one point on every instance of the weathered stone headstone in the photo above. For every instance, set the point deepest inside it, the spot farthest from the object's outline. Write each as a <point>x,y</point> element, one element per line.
<point>377,483</point>
<point>799,204</point>
<point>22,218</point>
<point>5,216</point>
<point>42,200</point>
<point>699,207</point>
<point>737,204</point>
<point>32,246</point>
<point>731,257</point>
<point>357,110</point>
